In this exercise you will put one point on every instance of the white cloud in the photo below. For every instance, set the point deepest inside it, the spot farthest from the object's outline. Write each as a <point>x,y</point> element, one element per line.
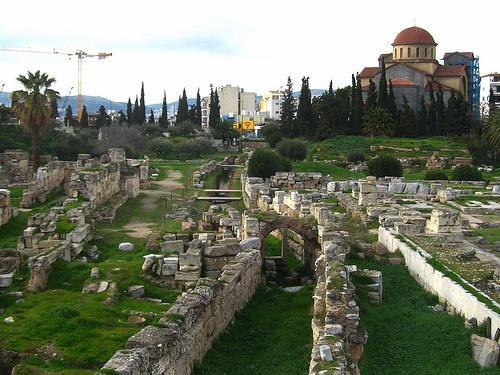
<point>256,45</point>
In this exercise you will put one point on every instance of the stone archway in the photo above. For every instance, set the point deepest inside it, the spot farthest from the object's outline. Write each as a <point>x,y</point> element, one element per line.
<point>307,231</point>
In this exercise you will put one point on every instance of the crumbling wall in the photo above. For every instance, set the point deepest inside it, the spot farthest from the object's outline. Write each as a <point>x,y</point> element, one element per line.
<point>7,212</point>
<point>299,181</point>
<point>14,167</point>
<point>192,323</point>
<point>47,179</point>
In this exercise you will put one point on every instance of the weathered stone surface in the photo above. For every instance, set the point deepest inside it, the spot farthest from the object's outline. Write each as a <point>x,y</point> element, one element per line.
<point>136,291</point>
<point>485,351</point>
<point>250,243</point>
<point>126,246</point>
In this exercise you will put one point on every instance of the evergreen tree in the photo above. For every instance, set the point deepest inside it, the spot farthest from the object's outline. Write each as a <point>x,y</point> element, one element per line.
<point>392,102</point>
<point>383,100</point>
<point>431,116</point>
<point>214,108</point>
<point>136,112</point>
<point>491,100</point>
<point>164,112</point>
<point>182,110</point>
<point>129,112</point>
<point>84,120</point>
<point>305,113</point>
<point>407,121</point>
<point>422,118</point>
<point>330,88</point>
<point>53,106</point>
<point>68,117</point>
<point>142,107</point>
<point>359,102</point>
<point>103,118</point>
<point>151,119</point>
<point>197,121</point>
<point>122,118</point>
<point>371,99</point>
<point>288,110</point>
<point>457,116</point>
<point>440,109</point>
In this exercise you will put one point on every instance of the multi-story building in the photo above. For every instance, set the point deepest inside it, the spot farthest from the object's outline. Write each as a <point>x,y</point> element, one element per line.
<point>494,89</point>
<point>270,104</point>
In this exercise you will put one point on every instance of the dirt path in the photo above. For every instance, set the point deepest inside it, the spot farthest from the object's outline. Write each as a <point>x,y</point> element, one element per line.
<point>151,200</point>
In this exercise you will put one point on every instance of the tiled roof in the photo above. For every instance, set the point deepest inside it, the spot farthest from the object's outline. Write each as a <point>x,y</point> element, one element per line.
<point>450,71</point>
<point>402,82</point>
<point>414,35</point>
<point>369,72</point>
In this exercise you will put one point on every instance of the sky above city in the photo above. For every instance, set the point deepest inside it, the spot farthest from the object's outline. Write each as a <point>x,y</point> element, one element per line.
<point>255,45</point>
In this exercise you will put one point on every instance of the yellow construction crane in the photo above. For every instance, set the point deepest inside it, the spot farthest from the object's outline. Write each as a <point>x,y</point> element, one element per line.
<point>80,55</point>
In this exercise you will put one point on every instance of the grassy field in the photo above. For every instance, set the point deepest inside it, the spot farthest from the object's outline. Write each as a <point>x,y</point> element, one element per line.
<point>271,335</point>
<point>491,235</point>
<point>405,336</point>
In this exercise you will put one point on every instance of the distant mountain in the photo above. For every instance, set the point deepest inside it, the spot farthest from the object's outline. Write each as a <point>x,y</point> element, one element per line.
<point>94,102</point>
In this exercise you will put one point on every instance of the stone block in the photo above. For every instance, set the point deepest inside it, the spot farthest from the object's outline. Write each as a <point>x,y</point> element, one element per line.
<point>250,243</point>
<point>172,246</point>
<point>484,351</point>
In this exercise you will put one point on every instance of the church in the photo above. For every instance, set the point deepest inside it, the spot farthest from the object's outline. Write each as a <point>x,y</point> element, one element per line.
<point>413,68</point>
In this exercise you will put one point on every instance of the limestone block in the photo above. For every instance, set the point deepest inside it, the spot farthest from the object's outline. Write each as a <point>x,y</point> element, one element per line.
<point>136,291</point>
<point>221,250</point>
<point>79,234</point>
<point>496,189</point>
<point>192,257</point>
<point>367,188</point>
<point>187,276</point>
<point>214,264</point>
<point>250,243</point>
<point>424,189</point>
<point>411,187</point>
<point>484,351</point>
<point>6,280</point>
<point>126,246</point>
<point>396,187</point>
<point>172,246</point>
<point>170,265</point>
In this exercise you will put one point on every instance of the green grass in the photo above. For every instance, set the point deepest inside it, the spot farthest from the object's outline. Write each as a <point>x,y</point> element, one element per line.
<point>336,172</point>
<point>405,336</point>
<point>491,235</point>
<point>16,194</point>
<point>466,198</point>
<point>271,335</point>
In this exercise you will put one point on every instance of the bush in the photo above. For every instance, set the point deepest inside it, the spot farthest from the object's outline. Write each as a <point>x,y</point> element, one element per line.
<point>152,130</point>
<point>184,129</point>
<point>265,163</point>
<point>436,174</point>
<point>272,133</point>
<point>292,149</point>
<point>466,172</point>
<point>385,166</point>
<point>161,147</point>
<point>356,157</point>
<point>194,148</point>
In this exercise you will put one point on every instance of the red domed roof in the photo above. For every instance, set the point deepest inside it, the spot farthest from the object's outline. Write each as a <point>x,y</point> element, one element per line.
<point>414,35</point>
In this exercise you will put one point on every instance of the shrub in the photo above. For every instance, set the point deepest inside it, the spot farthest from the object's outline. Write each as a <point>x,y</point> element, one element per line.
<point>161,147</point>
<point>356,157</point>
<point>265,163</point>
<point>466,172</point>
<point>194,148</point>
<point>436,174</point>
<point>378,121</point>
<point>385,166</point>
<point>293,149</point>
<point>272,133</point>
<point>184,129</point>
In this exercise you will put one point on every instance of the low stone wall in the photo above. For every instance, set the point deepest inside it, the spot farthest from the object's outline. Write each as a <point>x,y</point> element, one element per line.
<point>436,282</point>
<point>14,167</point>
<point>47,179</point>
<point>6,210</point>
<point>192,323</point>
<point>299,181</point>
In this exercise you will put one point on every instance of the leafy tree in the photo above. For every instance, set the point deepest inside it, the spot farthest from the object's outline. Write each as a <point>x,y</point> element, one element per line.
<point>408,122</point>
<point>129,112</point>
<point>440,110</point>
<point>182,109</point>
<point>305,114</point>
<point>385,166</point>
<point>183,129</point>
<point>84,120</point>
<point>103,118</point>
<point>152,131</point>
<point>422,118</point>
<point>272,133</point>
<point>214,108</point>
<point>265,163</point>
<point>164,112</point>
<point>288,109</point>
<point>293,149</point>
<point>32,107</point>
<point>151,119</point>
<point>194,148</point>
<point>378,122</point>
<point>4,114</point>
<point>371,99</point>
<point>136,113</point>
<point>383,99</point>
<point>122,118</point>
<point>457,117</point>
<point>197,119</point>
<point>466,172</point>
<point>142,107</point>
<point>68,117</point>
<point>332,111</point>
<point>225,131</point>
<point>161,147</point>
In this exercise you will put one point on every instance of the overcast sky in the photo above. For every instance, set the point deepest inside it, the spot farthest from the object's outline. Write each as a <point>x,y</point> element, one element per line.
<point>254,44</point>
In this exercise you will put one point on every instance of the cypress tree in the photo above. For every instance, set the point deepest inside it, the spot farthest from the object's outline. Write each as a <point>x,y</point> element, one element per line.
<point>68,117</point>
<point>392,102</point>
<point>129,112</point>
<point>103,118</point>
<point>422,118</point>
<point>164,112</point>
<point>407,121</point>
<point>136,113</point>
<point>288,109</point>
<point>84,121</point>
<point>353,114</point>
<point>359,103</point>
<point>151,119</point>
<point>214,114</point>
<point>431,116</point>
<point>54,109</point>
<point>121,117</point>
<point>198,109</point>
<point>371,99</point>
<point>142,107</point>
<point>305,114</point>
<point>440,123</point>
<point>383,100</point>
<point>182,110</point>
<point>330,88</point>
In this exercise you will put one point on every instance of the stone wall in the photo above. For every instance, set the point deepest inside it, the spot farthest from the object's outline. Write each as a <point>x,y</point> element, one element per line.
<point>436,282</point>
<point>6,210</point>
<point>47,179</point>
<point>299,181</point>
<point>14,167</point>
<point>189,327</point>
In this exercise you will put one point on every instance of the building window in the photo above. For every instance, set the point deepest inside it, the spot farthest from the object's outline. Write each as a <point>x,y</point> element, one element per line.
<point>425,52</point>
<point>418,51</point>
<point>498,88</point>
<point>409,52</point>
<point>401,53</point>
<point>395,53</point>
<point>432,53</point>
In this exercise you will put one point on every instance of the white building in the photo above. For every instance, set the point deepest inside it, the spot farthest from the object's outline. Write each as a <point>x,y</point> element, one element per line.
<point>270,104</point>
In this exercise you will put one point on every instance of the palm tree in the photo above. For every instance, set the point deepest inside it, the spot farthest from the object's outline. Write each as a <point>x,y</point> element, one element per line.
<point>378,121</point>
<point>33,107</point>
<point>492,128</point>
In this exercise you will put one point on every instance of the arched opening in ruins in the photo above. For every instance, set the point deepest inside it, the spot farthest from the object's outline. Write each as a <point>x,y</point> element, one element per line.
<point>288,248</point>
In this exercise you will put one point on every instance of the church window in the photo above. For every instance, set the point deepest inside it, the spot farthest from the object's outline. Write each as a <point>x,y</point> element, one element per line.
<point>401,53</point>
<point>409,52</point>
<point>425,52</point>
<point>418,51</point>
<point>395,53</point>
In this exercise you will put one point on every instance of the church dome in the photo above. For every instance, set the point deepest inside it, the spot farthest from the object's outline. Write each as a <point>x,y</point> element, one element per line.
<point>414,35</point>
